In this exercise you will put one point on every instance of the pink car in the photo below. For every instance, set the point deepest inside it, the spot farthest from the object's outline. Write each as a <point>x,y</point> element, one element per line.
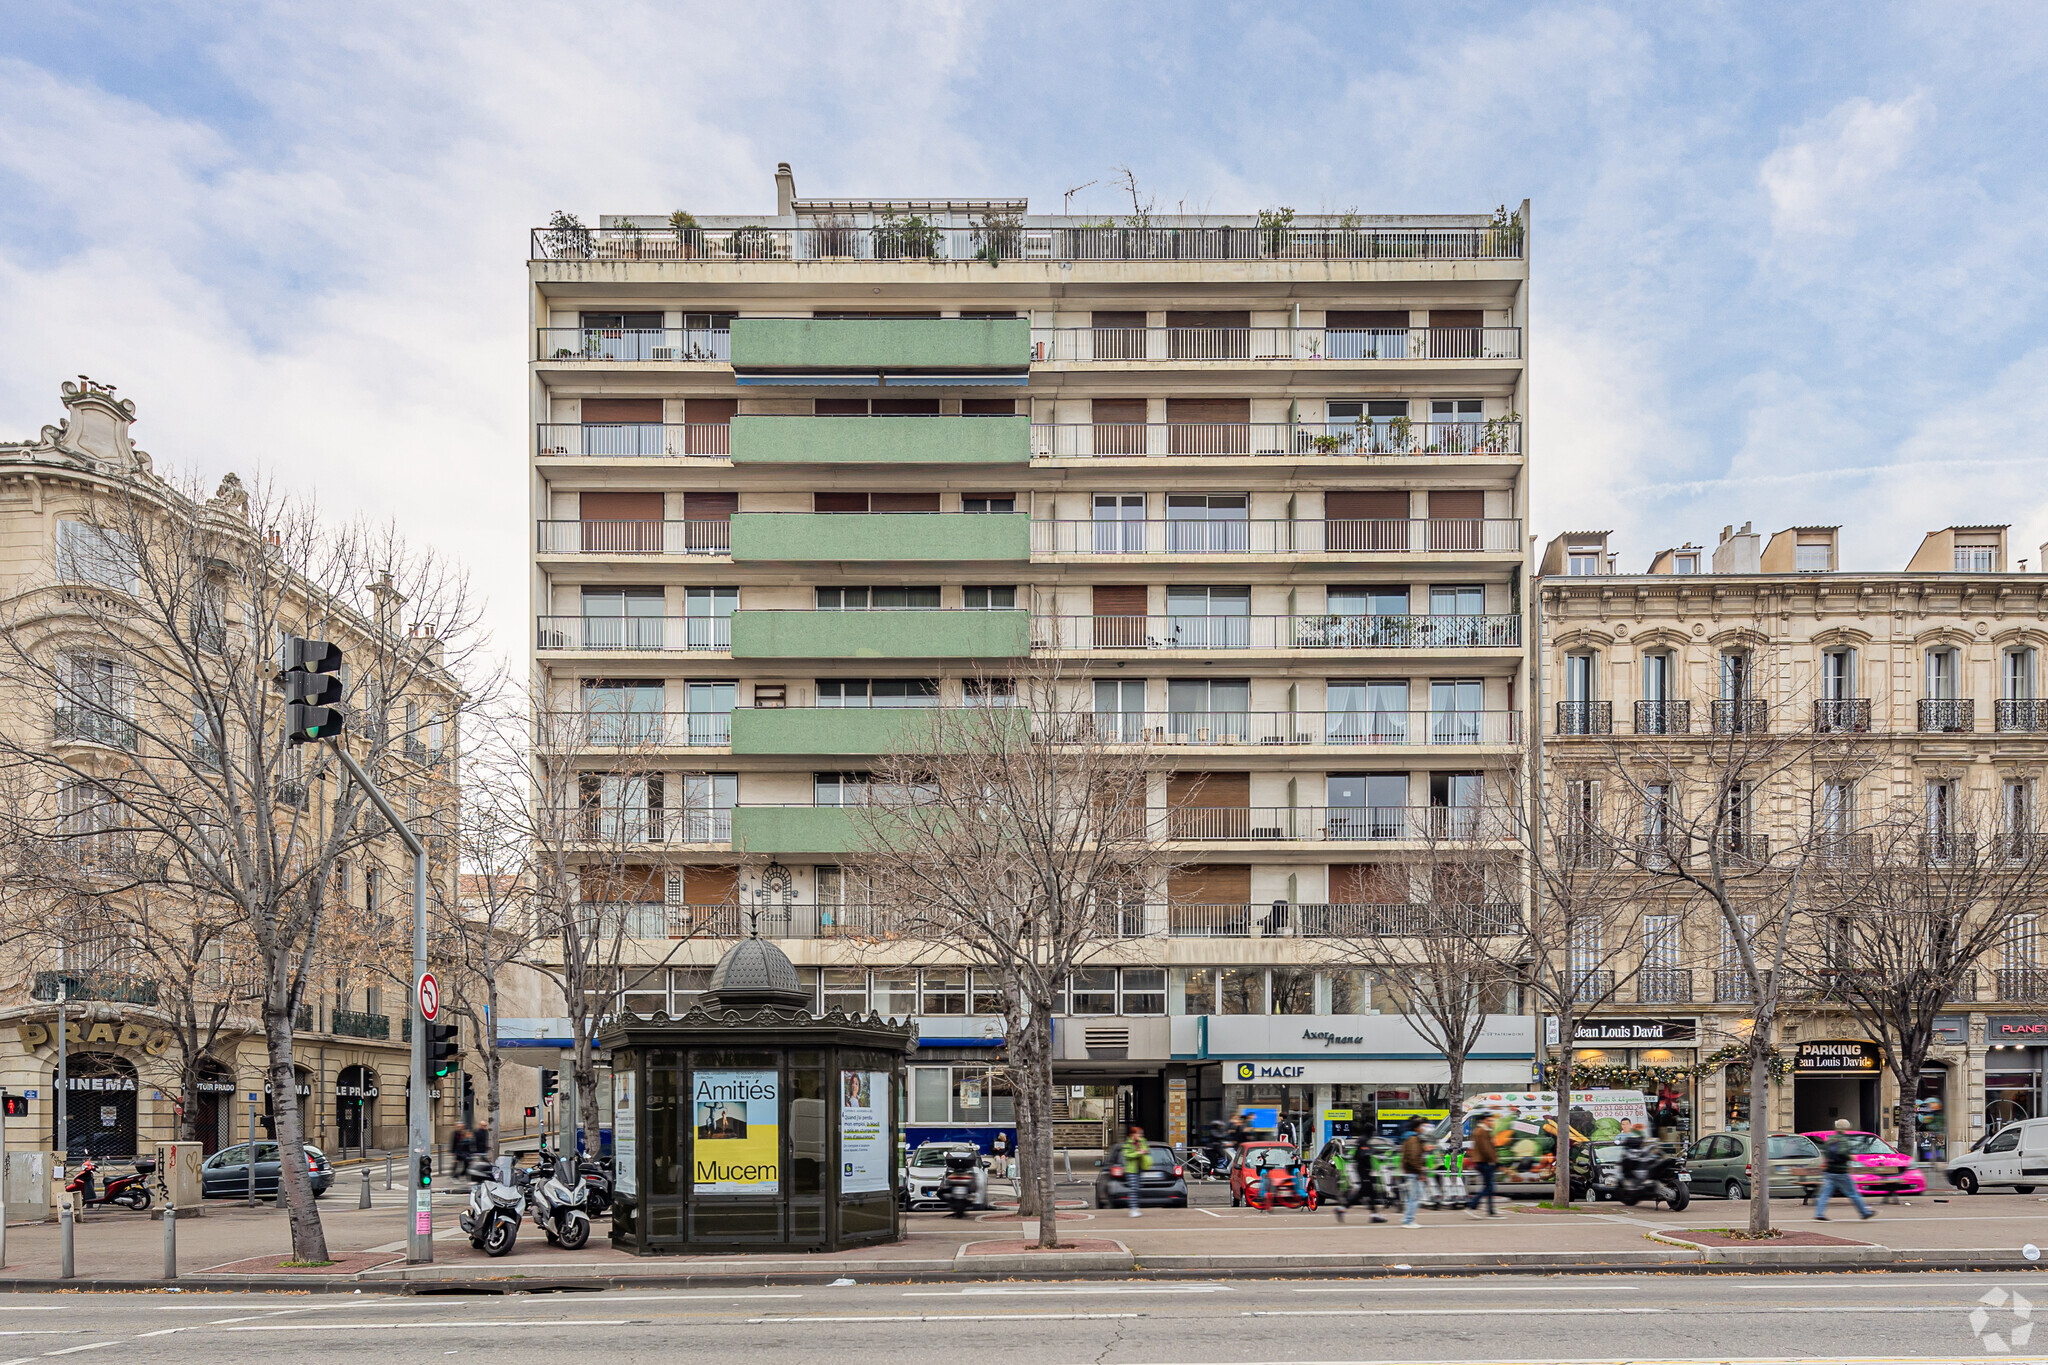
<point>1879,1167</point>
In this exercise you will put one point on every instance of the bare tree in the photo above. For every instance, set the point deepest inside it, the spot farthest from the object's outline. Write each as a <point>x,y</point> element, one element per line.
<point>1017,837</point>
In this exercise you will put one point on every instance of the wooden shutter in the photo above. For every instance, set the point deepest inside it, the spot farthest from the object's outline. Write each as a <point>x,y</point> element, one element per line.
<point>629,882</point>
<point>903,502</point>
<point>620,523</point>
<point>707,522</point>
<point>1118,336</point>
<point>839,502</point>
<point>1208,426</point>
<point>904,407</point>
<point>1456,519</point>
<point>1119,425</point>
<point>1365,521</point>
<point>1368,884</point>
<point>1209,805</point>
<point>1454,333</point>
<point>622,410</point>
<point>1120,616</point>
<point>710,885</point>
<point>1208,884</point>
<point>709,429</point>
<point>1209,335</point>
<point>839,407</point>
<point>710,506</point>
<point>988,407</point>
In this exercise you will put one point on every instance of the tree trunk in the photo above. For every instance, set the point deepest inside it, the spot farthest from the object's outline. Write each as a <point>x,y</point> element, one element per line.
<point>1029,1106</point>
<point>585,1066</point>
<point>309,1239</point>
<point>1561,1185</point>
<point>1456,1057</point>
<point>188,1090</point>
<point>1760,1127</point>
<point>1037,1064</point>
<point>492,1064</point>
<point>1907,1072</point>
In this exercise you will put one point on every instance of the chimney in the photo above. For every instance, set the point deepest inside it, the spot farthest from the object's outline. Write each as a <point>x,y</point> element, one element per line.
<point>1727,531</point>
<point>785,190</point>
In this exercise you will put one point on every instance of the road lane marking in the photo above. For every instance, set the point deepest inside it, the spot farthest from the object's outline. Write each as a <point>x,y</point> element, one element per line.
<point>1444,1312</point>
<point>1134,1289</point>
<point>688,1298</point>
<point>74,1350</point>
<point>948,1317</point>
<point>1501,1289</point>
<point>400,1326</point>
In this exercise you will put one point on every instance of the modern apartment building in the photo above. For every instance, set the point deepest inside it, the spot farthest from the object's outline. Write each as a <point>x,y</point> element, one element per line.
<point>1928,679</point>
<point>1258,478</point>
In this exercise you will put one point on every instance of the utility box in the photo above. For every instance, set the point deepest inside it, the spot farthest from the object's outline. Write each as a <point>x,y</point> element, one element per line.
<point>176,1181</point>
<point>25,1186</point>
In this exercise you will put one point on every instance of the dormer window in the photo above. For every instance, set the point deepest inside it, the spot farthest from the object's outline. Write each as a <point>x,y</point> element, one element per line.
<point>1813,557</point>
<point>1584,563</point>
<point>1687,563</point>
<point>1976,558</point>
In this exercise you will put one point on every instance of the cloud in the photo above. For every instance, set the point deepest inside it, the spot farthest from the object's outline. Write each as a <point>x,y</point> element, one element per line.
<point>1822,182</point>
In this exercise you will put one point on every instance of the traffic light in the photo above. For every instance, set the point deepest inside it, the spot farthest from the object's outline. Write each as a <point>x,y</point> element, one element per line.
<point>550,1081</point>
<point>16,1106</point>
<point>426,1172</point>
<point>312,692</point>
<point>442,1048</point>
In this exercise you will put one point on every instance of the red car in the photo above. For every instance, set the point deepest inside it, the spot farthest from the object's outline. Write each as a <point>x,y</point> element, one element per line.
<point>1254,1160</point>
<point>1879,1167</point>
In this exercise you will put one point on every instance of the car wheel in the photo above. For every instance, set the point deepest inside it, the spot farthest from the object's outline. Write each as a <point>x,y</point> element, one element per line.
<point>1098,1198</point>
<point>1735,1191</point>
<point>2023,1189</point>
<point>1966,1181</point>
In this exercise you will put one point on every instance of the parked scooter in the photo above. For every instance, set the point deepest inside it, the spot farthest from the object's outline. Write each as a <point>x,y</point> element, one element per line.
<point>958,1188</point>
<point>128,1191</point>
<point>557,1205</point>
<point>1652,1173</point>
<point>596,1176</point>
<point>495,1206</point>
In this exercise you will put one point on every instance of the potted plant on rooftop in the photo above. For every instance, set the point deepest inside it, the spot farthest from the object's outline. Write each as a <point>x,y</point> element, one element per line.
<point>684,225</point>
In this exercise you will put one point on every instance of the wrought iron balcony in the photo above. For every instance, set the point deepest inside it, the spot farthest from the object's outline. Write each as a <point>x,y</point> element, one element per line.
<point>1741,716</point>
<point>1585,718</point>
<point>349,1024</point>
<point>117,987</point>
<point>1948,716</point>
<point>91,725</point>
<point>1842,716</point>
<point>1843,850</point>
<point>1591,987</point>
<point>2022,983</point>
<point>1664,986</point>
<point>1663,717</point>
<point>1732,985</point>
<point>2022,716</point>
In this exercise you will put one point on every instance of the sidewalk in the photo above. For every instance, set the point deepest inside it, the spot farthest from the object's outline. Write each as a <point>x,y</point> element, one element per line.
<point>235,1246</point>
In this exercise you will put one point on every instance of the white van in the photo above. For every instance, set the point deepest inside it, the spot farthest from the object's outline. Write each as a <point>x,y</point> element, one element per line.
<point>2014,1157</point>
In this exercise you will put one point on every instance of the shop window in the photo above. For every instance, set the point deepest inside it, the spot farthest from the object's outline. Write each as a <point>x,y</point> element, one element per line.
<point>1241,990</point>
<point>1294,990</point>
<point>1144,990</point>
<point>970,1094</point>
<point>846,989</point>
<point>1094,991</point>
<point>1349,993</point>
<point>895,992</point>
<point>1199,992</point>
<point>945,990</point>
<point>931,1094</point>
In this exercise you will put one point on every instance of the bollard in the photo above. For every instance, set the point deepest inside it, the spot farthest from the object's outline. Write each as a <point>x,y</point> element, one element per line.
<point>387,1170</point>
<point>365,1201</point>
<point>170,1241</point>
<point>64,1270</point>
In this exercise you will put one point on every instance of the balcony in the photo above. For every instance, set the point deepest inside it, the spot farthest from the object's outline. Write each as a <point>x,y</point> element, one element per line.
<point>1941,847</point>
<point>1190,536</point>
<point>1842,716</point>
<point>863,730</point>
<point>880,634</point>
<point>349,1024</point>
<point>634,440</point>
<point>880,537</point>
<point>112,985</point>
<point>92,725</point>
<point>1585,718</point>
<point>1591,986</point>
<point>1743,849</point>
<point>1335,345</point>
<point>634,634</point>
<point>881,440</point>
<point>2022,717</point>
<point>642,824</point>
<point>1663,717</point>
<point>1322,824</point>
<point>1403,921</point>
<point>1843,850</point>
<point>1664,986</point>
<point>880,344</point>
<point>1275,632</point>
<point>2022,984</point>
<point>1343,729</point>
<point>709,538</point>
<point>1747,716</point>
<point>1948,716</point>
<point>1397,439</point>
<point>631,344</point>
<point>641,730</point>
<point>1004,238</point>
<point>1733,986</point>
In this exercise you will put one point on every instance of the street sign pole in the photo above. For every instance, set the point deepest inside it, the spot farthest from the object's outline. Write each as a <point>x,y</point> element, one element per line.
<point>419,1237</point>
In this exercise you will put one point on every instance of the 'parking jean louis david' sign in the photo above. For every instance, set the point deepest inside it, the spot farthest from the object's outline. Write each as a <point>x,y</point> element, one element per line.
<point>737,1137</point>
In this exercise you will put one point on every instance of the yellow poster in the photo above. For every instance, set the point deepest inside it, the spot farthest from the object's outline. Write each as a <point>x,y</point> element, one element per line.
<point>736,1125</point>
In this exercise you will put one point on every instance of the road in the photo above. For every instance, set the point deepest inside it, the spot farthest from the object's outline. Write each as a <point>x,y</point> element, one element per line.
<point>1836,1319</point>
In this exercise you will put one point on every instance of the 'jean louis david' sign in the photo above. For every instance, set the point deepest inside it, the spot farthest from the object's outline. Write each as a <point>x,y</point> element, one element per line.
<point>1838,1055</point>
<point>1635,1031</point>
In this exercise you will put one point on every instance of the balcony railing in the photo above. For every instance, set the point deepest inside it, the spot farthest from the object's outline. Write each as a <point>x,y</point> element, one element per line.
<point>633,343</point>
<point>1940,847</point>
<point>640,730</point>
<point>1842,716</point>
<point>2022,716</point>
<point>2022,983</point>
<point>1341,920</point>
<point>1275,632</point>
<point>1745,849</point>
<point>620,825</point>
<point>112,985</point>
<point>1663,717</point>
<point>650,634</point>
<point>636,440</point>
<point>1398,439</point>
<point>90,725</point>
<point>635,537</point>
<point>349,1024</point>
<point>1664,986</point>
<point>1843,850</point>
<point>1745,716</point>
<point>1125,345</point>
<point>1585,718</point>
<point>1005,239</point>
<point>1205,536</point>
<point>1948,716</point>
<point>1590,986</point>
<point>1342,728</point>
<point>1321,824</point>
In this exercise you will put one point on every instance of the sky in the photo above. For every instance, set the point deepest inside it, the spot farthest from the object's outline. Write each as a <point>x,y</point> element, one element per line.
<point>1790,262</point>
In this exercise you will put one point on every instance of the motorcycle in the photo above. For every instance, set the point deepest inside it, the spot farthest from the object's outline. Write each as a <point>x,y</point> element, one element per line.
<point>557,1205</point>
<point>958,1188</point>
<point>495,1207</point>
<point>1652,1174</point>
<point>128,1191</point>
<point>597,1183</point>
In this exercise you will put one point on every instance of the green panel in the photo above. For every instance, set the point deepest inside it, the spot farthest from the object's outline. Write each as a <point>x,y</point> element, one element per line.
<point>796,829</point>
<point>854,730</point>
<point>881,440</point>
<point>827,536</point>
<point>880,343</point>
<point>880,634</point>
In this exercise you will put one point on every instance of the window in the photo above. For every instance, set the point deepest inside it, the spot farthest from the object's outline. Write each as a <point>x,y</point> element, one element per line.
<point>988,993</point>
<point>623,711</point>
<point>1208,709</point>
<point>1241,990</point>
<point>1944,670</point>
<point>1940,833</point>
<point>1367,805</point>
<point>1733,939</point>
<point>96,554</point>
<point>2017,675</point>
<point>1455,422</point>
<point>1837,815</point>
<point>1660,942</point>
<point>1213,618</point>
<point>1838,675</point>
<point>894,991</point>
<point>1379,424</point>
<point>1092,991</point>
<point>945,990</point>
<point>710,712</point>
<point>1813,557</point>
<point>839,789</point>
<point>1976,558</point>
<point>2023,942</point>
<point>878,599</point>
<point>1206,523</point>
<point>1119,523</point>
<point>1120,709</point>
<point>1198,992</point>
<point>989,691</point>
<point>1685,563</point>
<point>992,502</point>
<point>1144,990</point>
<point>96,701</point>
<point>1736,835</point>
<point>1368,712</point>
<point>623,618</point>
<point>1457,600</point>
<point>210,619</point>
<point>1657,674</point>
<point>988,599</point>
<point>1735,679</point>
<point>1583,563</point>
<point>881,693</point>
<point>1455,705</point>
<point>2016,813</point>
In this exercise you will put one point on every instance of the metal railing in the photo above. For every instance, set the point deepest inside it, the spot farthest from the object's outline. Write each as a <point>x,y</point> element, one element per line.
<point>1006,238</point>
<point>1842,716</point>
<point>1342,728</point>
<point>1663,717</point>
<point>1947,716</point>
<point>633,343</point>
<point>1392,440</point>
<point>2022,716</point>
<point>113,985</point>
<point>349,1024</point>
<point>1319,824</point>
<point>1275,632</point>
<point>1585,718</point>
<point>1843,850</point>
<point>648,634</point>
<point>644,824</point>
<point>1125,345</point>
<point>91,725</point>
<point>1739,847</point>
<point>636,440</point>
<point>641,730</point>
<point>1411,920</point>
<point>1742,716</point>
<point>1172,535</point>
<point>2022,983</point>
<point>1965,989</point>
<point>1664,986</point>
<point>1732,985</point>
<point>635,537</point>
<point>1942,846</point>
<point>1590,986</point>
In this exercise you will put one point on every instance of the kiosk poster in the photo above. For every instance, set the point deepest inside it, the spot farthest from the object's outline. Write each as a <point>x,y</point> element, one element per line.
<point>739,1138</point>
<point>625,1134</point>
<point>863,1131</point>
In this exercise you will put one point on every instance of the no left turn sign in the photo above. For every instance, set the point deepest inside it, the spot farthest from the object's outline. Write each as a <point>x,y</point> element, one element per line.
<point>430,996</point>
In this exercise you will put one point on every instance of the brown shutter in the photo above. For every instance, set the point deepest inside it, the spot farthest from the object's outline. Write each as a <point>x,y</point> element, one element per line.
<point>1456,519</point>
<point>904,407</point>
<point>621,523</point>
<point>904,502</point>
<point>707,522</point>
<point>709,425</point>
<point>839,407</point>
<point>1208,426</point>
<point>1120,617</point>
<point>710,506</point>
<point>839,502</point>
<point>1202,885</point>
<point>1209,805</point>
<point>1368,884</point>
<point>625,883</point>
<point>708,885</point>
<point>988,407</point>
<point>1118,336</point>
<point>1454,333</point>
<point>1365,521</point>
<point>1119,425</point>
<point>1378,318</point>
<point>622,409</point>
<point>1209,335</point>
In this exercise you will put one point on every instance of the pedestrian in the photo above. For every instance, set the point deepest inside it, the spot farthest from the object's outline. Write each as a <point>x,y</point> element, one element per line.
<point>459,1148</point>
<point>1000,1149</point>
<point>1414,1167</point>
<point>480,1143</point>
<point>1136,1158</point>
<point>1482,1154</point>
<point>1354,1160</point>
<point>1838,1178</point>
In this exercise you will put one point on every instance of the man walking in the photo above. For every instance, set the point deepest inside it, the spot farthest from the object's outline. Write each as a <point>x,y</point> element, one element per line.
<point>1355,1159</point>
<point>458,1150</point>
<point>1136,1157</point>
<point>1483,1156</point>
<point>1838,1179</point>
<point>1414,1168</point>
